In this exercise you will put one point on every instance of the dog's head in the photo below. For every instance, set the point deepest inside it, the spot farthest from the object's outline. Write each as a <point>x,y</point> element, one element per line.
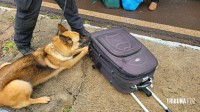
<point>66,42</point>
<point>62,46</point>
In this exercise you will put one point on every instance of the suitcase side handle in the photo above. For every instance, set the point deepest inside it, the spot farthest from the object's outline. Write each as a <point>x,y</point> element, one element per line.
<point>144,85</point>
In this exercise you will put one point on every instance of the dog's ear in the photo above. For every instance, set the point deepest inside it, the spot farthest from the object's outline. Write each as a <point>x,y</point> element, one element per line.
<point>62,28</point>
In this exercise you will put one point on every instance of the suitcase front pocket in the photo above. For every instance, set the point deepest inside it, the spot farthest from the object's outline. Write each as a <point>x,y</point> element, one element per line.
<point>120,44</point>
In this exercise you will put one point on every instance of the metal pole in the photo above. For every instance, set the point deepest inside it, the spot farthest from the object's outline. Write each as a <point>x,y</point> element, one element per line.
<point>139,102</point>
<point>159,101</point>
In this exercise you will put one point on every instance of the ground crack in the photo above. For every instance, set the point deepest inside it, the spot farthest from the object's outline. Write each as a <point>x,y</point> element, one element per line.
<point>84,72</point>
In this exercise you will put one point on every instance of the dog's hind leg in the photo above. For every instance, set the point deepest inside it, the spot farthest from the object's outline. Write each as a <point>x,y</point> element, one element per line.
<point>17,93</point>
<point>43,99</point>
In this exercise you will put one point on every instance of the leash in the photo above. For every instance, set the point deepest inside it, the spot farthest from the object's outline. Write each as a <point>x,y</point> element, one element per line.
<point>62,19</point>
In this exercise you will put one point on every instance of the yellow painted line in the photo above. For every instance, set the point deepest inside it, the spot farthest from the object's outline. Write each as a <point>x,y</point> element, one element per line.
<point>147,24</point>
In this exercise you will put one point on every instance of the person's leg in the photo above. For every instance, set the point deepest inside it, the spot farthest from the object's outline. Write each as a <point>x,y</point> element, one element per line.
<point>155,1</point>
<point>25,21</point>
<point>72,16</point>
<point>153,5</point>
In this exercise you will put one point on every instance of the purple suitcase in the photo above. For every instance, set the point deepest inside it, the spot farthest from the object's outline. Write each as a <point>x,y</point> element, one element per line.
<point>125,62</point>
<point>122,59</point>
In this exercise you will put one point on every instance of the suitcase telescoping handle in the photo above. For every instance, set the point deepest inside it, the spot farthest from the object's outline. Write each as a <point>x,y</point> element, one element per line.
<point>159,101</point>
<point>154,96</point>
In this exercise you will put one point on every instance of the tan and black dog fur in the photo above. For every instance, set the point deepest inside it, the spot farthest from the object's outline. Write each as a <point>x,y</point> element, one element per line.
<point>18,78</point>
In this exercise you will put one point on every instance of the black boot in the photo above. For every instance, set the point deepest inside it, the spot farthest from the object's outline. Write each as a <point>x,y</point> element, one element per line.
<point>84,33</point>
<point>25,50</point>
<point>85,37</point>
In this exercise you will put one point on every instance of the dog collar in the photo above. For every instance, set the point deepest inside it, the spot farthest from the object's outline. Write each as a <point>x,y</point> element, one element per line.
<point>58,54</point>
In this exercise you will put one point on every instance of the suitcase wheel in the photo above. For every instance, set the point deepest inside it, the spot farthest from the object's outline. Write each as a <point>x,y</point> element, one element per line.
<point>93,66</point>
<point>98,65</point>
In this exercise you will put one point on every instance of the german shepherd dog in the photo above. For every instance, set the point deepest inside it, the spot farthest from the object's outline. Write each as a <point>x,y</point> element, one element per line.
<point>18,78</point>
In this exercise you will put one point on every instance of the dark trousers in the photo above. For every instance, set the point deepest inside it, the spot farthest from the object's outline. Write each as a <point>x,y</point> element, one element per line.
<point>155,1</point>
<point>27,14</point>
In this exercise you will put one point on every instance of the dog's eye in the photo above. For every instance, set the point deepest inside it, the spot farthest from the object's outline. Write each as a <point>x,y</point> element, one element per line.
<point>64,38</point>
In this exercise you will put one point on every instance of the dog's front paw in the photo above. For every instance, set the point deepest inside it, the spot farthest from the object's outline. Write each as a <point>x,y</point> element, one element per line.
<point>44,99</point>
<point>86,48</point>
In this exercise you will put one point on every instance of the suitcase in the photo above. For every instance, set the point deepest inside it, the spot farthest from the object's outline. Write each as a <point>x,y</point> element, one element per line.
<point>124,61</point>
